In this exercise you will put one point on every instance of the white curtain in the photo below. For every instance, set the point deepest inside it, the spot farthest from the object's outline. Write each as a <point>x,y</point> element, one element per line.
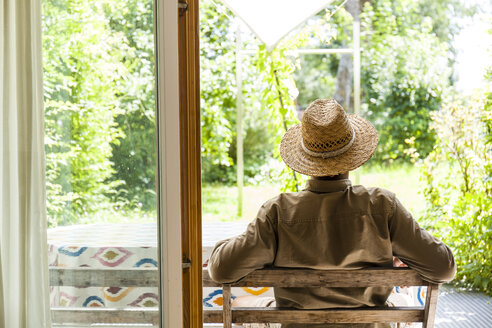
<point>24,289</point>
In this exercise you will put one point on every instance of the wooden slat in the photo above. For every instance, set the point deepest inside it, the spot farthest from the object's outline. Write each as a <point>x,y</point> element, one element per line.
<point>430,305</point>
<point>104,315</point>
<point>288,315</point>
<point>226,306</point>
<point>384,277</point>
<point>90,277</point>
<point>148,277</point>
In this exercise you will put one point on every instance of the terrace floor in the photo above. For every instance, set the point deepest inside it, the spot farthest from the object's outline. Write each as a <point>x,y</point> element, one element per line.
<point>463,309</point>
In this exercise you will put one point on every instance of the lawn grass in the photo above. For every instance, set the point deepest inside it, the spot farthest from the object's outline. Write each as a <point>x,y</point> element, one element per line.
<point>219,202</point>
<point>403,180</point>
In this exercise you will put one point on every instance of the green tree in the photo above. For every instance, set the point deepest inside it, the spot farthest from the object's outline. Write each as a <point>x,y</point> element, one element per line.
<point>134,153</point>
<point>405,75</point>
<point>100,109</point>
<point>406,55</point>
<point>81,72</point>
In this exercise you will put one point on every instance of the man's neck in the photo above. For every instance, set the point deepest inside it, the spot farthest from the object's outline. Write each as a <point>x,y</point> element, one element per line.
<point>340,176</point>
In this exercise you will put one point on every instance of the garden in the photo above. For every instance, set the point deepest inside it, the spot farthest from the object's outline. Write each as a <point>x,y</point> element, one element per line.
<point>435,142</point>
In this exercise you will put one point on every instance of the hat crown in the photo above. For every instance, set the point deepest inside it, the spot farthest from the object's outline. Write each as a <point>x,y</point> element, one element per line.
<point>325,127</point>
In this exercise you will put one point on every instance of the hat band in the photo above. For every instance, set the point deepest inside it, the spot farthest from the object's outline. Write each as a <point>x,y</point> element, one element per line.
<point>332,153</point>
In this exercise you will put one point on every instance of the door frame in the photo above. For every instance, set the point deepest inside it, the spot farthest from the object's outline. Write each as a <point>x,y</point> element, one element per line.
<point>190,143</point>
<point>168,162</point>
<point>179,163</point>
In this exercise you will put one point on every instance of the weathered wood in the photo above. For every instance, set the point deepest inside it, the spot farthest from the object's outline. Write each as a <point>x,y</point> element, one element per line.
<point>373,277</point>
<point>86,277</point>
<point>378,277</point>
<point>148,277</point>
<point>190,162</point>
<point>289,315</point>
<point>90,277</point>
<point>430,305</point>
<point>69,315</point>
<point>226,306</point>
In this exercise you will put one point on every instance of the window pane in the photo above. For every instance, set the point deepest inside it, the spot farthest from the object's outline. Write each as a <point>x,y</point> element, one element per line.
<point>98,59</point>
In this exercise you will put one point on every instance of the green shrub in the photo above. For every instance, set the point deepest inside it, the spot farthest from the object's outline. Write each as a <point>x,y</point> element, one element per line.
<point>459,188</point>
<point>405,74</point>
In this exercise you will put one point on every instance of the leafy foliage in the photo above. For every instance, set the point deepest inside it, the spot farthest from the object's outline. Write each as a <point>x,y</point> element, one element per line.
<point>406,55</point>
<point>404,74</point>
<point>218,92</point>
<point>444,17</point>
<point>134,152</point>
<point>459,209</point>
<point>98,79</point>
<point>81,63</point>
<point>218,105</point>
<point>277,95</point>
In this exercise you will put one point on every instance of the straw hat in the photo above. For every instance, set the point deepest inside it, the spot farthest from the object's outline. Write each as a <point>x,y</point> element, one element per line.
<point>328,141</point>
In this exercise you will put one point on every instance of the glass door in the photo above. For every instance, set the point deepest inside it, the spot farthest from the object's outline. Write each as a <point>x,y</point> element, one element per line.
<point>100,140</point>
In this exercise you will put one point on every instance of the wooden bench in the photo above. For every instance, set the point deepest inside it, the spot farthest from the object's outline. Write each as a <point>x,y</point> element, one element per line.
<point>334,278</point>
<point>148,277</point>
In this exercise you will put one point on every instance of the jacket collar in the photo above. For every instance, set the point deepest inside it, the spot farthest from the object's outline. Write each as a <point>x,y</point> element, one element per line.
<point>327,185</point>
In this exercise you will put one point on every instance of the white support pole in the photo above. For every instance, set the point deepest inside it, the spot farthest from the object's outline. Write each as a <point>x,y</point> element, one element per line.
<point>239,124</point>
<point>356,58</point>
<point>356,66</point>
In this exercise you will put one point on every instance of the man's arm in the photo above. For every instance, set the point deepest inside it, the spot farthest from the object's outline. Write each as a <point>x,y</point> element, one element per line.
<point>234,258</point>
<point>421,251</point>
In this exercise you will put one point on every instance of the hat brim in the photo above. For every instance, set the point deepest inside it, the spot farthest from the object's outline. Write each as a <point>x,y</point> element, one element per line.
<point>364,146</point>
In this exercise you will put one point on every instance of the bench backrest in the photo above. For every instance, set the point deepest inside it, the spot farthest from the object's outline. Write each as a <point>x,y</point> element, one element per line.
<point>87,277</point>
<point>377,277</point>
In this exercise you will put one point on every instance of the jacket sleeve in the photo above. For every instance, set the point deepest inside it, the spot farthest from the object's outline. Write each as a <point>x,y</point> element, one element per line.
<point>234,258</point>
<point>417,248</point>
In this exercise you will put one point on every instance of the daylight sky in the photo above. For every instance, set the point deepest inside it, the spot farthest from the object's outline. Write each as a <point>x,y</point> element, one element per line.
<point>474,49</point>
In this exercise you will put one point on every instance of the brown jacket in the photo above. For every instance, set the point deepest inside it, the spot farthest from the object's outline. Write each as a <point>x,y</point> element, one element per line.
<point>332,225</point>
